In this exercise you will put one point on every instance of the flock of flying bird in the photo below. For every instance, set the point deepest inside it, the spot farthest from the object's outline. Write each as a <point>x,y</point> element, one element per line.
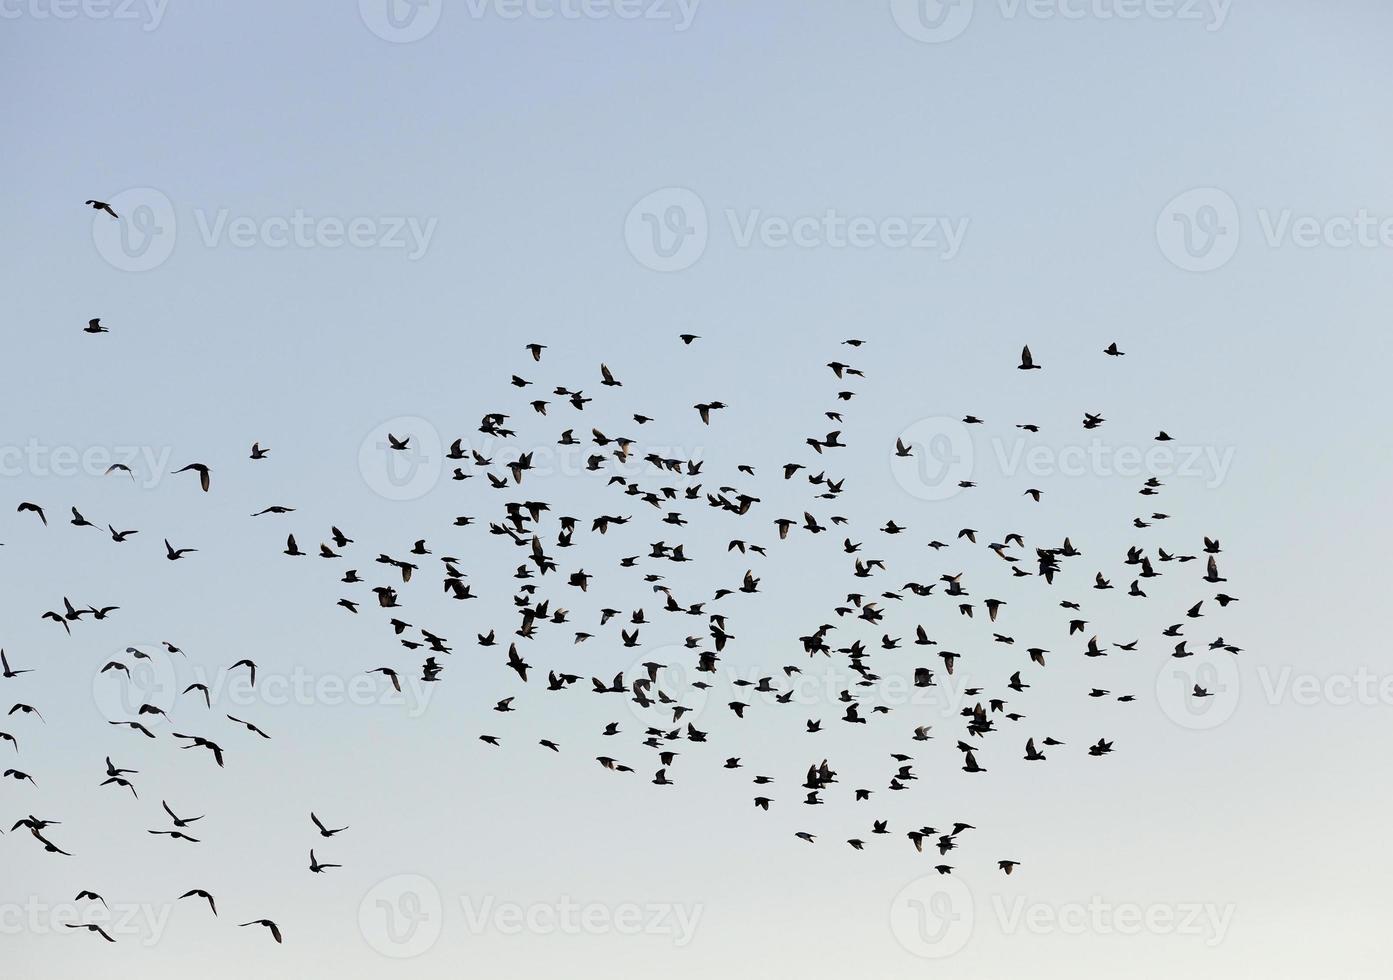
<point>666,487</point>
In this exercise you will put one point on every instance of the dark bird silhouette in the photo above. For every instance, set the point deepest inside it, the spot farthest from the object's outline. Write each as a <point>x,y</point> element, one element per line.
<point>323,830</point>
<point>204,474</point>
<point>275,929</point>
<point>200,893</point>
<point>90,927</point>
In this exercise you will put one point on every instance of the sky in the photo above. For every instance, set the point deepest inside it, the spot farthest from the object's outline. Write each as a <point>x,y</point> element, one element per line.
<point>338,223</point>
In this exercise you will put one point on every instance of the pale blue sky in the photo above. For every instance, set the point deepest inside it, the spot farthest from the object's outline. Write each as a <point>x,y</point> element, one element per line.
<point>1054,144</point>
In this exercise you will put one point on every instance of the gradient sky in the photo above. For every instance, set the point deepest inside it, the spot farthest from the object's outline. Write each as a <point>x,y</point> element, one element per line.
<point>1211,193</point>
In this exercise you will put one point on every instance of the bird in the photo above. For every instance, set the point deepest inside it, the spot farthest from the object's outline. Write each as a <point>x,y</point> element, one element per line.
<point>100,206</point>
<point>325,831</point>
<point>174,835</point>
<point>275,929</point>
<point>90,927</point>
<point>317,867</point>
<point>605,534</point>
<point>173,553</point>
<point>200,893</point>
<point>5,671</point>
<point>204,474</point>
<point>249,727</point>
<point>390,674</point>
<point>180,822</point>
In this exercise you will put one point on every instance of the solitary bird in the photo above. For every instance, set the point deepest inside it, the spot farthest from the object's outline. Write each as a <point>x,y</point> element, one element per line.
<point>323,830</point>
<point>275,929</point>
<point>204,474</point>
<point>317,867</point>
